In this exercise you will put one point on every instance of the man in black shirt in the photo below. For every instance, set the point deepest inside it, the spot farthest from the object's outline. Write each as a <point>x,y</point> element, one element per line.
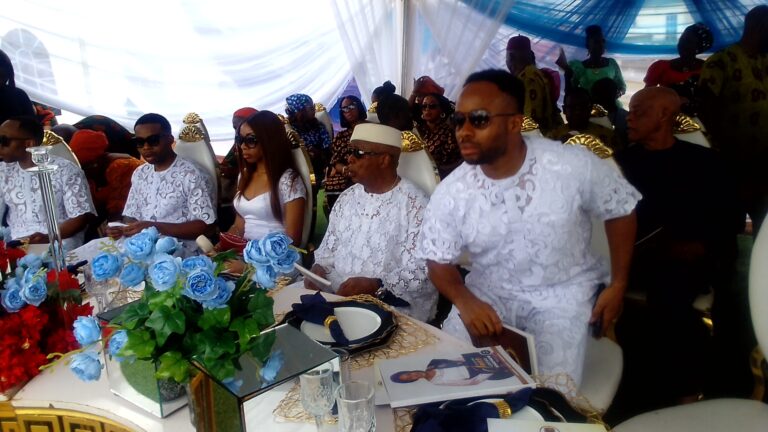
<point>686,226</point>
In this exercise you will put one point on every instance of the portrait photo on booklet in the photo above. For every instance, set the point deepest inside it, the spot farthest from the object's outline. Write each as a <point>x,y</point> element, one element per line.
<point>419,379</point>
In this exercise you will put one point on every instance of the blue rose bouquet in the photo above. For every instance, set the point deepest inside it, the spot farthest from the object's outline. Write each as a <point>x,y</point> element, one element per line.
<point>189,311</point>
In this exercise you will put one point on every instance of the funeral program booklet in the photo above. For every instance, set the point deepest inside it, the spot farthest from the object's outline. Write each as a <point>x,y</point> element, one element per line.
<point>420,378</point>
<point>517,343</point>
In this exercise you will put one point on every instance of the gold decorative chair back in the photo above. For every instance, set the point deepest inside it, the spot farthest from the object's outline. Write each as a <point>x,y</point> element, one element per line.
<point>416,164</point>
<point>599,116</point>
<point>530,127</point>
<point>593,143</point>
<point>689,129</point>
<point>59,147</point>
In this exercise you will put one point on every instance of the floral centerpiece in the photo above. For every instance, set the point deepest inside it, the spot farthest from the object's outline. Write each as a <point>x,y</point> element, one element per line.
<point>190,311</point>
<point>38,309</point>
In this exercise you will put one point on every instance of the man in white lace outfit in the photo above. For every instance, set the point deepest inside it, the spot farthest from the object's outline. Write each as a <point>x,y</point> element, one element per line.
<point>521,208</point>
<point>20,190</point>
<point>169,192</point>
<point>370,244</point>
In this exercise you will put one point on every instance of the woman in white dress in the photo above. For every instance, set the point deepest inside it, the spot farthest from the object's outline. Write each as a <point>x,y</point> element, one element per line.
<point>270,193</point>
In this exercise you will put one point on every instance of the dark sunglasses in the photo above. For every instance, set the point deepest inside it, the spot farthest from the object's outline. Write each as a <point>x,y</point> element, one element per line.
<point>249,141</point>
<point>152,140</point>
<point>348,108</point>
<point>5,141</point>
<point>359,154</point>
<point>425,107</point>
<point>479,119</point>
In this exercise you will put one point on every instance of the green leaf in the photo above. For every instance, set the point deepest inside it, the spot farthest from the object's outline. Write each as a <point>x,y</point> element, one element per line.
<point>264,318</point>
<point>246,329</point>
<point>218,318</point>
<point>173,366</point>
<point>160,298</point>
<point>216,345</point>
<point>260,301</point>
<point>140,344</point>
<point>220,369</point>
<point>165,321</point>
<point>261,347</point>
<point>133,315</point>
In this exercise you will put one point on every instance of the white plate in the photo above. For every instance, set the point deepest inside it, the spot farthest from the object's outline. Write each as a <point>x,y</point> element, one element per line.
<point>356,323</point>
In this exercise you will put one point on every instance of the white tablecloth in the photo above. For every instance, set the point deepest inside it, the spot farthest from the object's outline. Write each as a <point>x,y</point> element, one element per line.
<point>62,389</point>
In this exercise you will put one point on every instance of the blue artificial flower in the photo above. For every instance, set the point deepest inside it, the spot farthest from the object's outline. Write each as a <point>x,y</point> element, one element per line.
<point>132,275</point>
<point>265,276</point>
<point>166,245</point>
<point>224,290</point>
<point>105,266</point>
<point>86,365</point>
<point>141,246</point>
<point>116,343</point>
<point>285,263</point>
<point>197,262</point>
<point>86,330</point>
<point>11,297</point>
<point>253,254</point>
<point>232,384</point>
<point>274,363</point>
<point>164,271</point>
<point>31,261</point>
<point>200,285</point>
<point>275,245</point>
<point>34,290</point>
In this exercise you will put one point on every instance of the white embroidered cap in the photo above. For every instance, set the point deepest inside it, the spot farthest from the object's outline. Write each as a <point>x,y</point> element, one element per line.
<point>377,133</point>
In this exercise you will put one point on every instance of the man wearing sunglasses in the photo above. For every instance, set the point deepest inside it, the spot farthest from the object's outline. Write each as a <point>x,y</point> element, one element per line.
<point>522,209</point>
<point>20,189</point>
<point>170,193</point>
<point>371,238</point>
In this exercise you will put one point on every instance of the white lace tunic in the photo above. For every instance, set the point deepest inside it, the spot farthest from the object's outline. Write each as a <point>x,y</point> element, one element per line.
<point>374,235</point>
<point>20,191</point>
<point>528,239</point>
<point>182,193</point>
<point>257,211</point>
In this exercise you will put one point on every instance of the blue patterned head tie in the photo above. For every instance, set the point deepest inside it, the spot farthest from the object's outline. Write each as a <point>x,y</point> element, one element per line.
<point>297,102</point>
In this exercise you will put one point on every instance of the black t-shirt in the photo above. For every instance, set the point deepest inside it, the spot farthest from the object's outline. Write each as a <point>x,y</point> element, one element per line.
<point>686,192</point>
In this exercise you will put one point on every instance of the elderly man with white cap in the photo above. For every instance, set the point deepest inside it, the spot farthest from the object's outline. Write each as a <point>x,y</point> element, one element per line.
<point>372,230</point>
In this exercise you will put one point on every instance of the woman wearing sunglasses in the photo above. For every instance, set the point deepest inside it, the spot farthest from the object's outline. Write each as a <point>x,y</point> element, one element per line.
<point>438,133</point>
<point>270,193</point>
<point>336,181</point>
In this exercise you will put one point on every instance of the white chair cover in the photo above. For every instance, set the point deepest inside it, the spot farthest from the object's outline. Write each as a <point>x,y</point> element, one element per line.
<point>62,150</point>
<point>193,144</point>
<point>301,159</point>
<point>694,136</point>
<point>416,164</point>
<point>322,115</point>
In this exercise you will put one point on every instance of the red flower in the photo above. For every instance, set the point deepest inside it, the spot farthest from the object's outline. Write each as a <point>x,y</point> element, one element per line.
<point>66,280</point>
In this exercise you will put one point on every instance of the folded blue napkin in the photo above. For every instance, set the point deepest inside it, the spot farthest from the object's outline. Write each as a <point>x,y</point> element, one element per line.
<point>462,415</point>
<point>315,309</point>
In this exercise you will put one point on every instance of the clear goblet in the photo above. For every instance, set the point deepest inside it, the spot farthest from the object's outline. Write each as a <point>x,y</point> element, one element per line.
<point>317,392</point>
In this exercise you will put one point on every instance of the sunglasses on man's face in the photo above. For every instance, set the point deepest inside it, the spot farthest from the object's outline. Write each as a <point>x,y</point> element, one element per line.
<point>479,119</point>
<point>359,153</point>
<point>432,106</point>
<point>152,140</point>
<point>249,141</point>
<point>5,141</point>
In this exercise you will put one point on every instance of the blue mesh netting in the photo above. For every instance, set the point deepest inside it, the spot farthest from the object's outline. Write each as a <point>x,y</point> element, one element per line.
<point>640,27</point>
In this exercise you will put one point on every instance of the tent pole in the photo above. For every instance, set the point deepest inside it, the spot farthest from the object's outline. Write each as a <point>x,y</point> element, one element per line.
<point>404,55</point>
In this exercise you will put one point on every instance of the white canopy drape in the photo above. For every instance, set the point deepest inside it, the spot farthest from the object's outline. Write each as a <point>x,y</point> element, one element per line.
<point>122,59</point>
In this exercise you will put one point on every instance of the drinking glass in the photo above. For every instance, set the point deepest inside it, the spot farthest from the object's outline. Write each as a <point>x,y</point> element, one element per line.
<point>356,407</point>
<point>317,392</point>
<point>341,366</point>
